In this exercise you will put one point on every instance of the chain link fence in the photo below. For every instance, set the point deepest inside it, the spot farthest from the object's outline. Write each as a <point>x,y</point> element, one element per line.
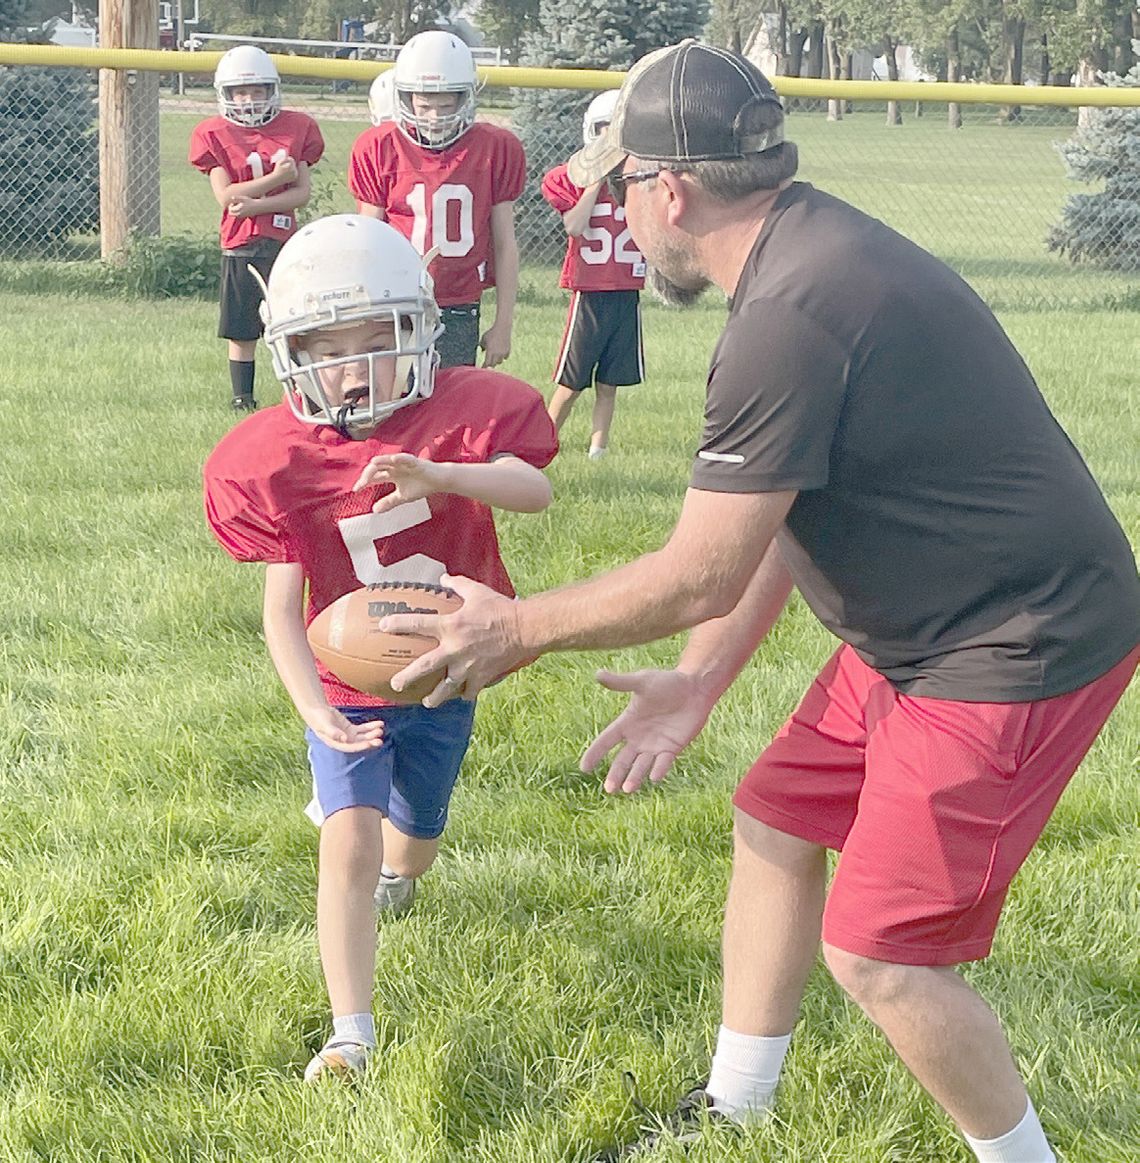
<point>985,188</point>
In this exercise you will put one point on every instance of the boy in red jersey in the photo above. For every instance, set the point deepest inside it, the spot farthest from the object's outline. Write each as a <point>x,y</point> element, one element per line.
<point>257,157</point>
<point>604,272</point>
<point>449,184</point>
<point>347,484</point>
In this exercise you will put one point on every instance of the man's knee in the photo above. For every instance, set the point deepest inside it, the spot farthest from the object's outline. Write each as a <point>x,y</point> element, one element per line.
<point>871,984</point>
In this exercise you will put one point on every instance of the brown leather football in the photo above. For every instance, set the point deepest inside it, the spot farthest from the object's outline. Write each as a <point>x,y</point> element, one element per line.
<point>345,637</point>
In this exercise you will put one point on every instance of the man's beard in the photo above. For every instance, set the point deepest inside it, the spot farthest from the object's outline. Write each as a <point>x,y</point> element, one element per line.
<point>673,294</point>
<point>684,284</point>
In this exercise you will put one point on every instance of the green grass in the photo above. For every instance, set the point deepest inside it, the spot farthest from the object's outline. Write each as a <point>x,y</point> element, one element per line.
<point>160,990</point>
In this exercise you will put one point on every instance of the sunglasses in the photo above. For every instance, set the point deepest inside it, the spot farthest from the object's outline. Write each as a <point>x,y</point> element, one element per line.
<point>619,182</point>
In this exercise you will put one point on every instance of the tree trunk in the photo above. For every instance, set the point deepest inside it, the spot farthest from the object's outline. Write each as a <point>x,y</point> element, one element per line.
<point>815,56</point>
<point>1013,47</point>
<point>834,68</point>
<point>890,49</point>
<point>953,73</point>
<point>1123,58</point>
<point>782,34</point>
<point>1046,66</point>
<point>1089,68</point>
<point>796,46</point>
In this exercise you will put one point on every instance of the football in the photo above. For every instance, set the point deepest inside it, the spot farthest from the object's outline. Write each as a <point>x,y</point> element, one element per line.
<point>345,636</point>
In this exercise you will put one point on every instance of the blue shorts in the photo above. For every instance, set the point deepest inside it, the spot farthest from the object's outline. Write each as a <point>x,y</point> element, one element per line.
<point>408,778</point>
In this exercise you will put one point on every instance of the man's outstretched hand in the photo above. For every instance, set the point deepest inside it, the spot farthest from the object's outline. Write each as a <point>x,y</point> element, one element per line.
<point>666,712</point>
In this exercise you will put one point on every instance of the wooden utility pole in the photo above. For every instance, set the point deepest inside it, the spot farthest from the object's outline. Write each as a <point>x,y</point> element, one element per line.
<point>128,129</point>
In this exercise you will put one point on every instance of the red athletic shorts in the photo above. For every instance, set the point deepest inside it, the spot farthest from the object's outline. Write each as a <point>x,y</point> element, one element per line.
<point>933,804</point>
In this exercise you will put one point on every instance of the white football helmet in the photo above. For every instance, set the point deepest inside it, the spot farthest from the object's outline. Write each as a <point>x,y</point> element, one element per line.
<point>599,113</point>
<point>382,97</point>
<point>247,65</point>
<point>335,272</point>
<point>435,62</point>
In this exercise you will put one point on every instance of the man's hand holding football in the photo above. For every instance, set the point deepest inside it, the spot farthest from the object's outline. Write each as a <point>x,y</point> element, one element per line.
<point>477,644</point>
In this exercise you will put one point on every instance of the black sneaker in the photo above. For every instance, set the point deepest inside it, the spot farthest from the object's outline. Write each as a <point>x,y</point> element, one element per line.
<point>243,404</point>
<point>685,1124</point>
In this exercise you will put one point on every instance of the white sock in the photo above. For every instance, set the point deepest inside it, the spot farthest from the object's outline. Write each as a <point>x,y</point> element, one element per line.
<point>358,1028</point>
<point>389,873</point>
<point>1026,1143</point>
<point>744,1074</point>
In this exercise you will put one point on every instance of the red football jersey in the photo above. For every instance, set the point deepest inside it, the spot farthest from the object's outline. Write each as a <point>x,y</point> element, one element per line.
<point>277,490</point>
<point>442,197</point>
<point>603,257</point>
<point>245,153</point>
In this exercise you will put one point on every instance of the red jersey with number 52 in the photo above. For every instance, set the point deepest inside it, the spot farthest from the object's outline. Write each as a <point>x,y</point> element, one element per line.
<point>247,152</point>
<point>442,198</point>
<point>277,490</point>
<point>603,257</point>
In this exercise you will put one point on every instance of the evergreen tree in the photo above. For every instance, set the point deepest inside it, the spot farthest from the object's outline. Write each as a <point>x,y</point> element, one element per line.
<point>582,34</point>
<point>49,158</point>
<point>12,14</point>
<point>49,152</point>
<point>1104,228</point>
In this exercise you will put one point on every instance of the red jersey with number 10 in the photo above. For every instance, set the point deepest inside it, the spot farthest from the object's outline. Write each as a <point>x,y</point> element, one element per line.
<point>277,490</point>
<point>247,152</point>
<point>442,198</point>
<point>603,257</point>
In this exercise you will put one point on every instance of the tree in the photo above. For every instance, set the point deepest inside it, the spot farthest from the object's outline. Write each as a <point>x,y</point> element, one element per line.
<point>49,158</point>
<point>12,17</point>
<point>399,20</point>
<point>507,22</point>
<point>49,152</point>
<point>732,23</point>
<point>582,34</point>
<point>1104,228</point>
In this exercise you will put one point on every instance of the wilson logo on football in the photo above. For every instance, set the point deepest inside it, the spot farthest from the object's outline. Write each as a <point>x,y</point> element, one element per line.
<point>383,609</point>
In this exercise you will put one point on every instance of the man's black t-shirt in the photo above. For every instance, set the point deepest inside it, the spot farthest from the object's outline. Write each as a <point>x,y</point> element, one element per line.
<point>945,526</point>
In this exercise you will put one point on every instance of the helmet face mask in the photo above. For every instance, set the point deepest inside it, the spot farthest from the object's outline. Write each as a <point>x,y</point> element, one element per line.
<point>430,63</point>
<point>377,376</point>
<point>359,276</point>
<point>242,68</point>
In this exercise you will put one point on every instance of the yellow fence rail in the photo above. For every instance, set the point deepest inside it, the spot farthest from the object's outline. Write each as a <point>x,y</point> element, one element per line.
<point>152,60</point>
<point>974,173</point>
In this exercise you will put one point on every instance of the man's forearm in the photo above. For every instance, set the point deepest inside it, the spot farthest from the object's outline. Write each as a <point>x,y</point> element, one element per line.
<point>718,650</point>
<point>701,574</point>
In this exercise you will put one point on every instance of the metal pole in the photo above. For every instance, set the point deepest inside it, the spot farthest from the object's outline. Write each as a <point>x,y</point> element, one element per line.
<point>179,36</point>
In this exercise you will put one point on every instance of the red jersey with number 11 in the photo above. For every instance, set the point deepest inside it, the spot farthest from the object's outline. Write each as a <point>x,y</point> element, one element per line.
<point>247,152</point>
<point>442,197</point>
<point>603,257</point>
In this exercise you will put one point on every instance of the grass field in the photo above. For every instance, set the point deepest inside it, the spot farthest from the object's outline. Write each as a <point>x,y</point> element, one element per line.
<point>160,990</point>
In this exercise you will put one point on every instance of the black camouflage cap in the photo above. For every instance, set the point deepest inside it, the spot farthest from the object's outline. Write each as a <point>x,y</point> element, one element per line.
<point>680,104</point>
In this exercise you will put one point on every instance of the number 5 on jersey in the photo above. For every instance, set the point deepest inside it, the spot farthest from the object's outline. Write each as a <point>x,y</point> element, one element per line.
<point>361,533</point>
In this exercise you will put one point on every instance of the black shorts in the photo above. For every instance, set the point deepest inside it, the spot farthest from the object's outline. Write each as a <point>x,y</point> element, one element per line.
<point>240,295</point>
<point>459,343</point>
<point>602,340</point>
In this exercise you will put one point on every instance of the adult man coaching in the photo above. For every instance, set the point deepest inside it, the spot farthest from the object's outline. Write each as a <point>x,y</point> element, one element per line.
<point>872,436</point>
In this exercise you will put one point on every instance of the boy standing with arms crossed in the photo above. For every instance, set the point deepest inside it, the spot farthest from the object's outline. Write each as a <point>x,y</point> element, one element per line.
<point>257,157</point>
<point>604,272</point>
<point>344,485</point>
